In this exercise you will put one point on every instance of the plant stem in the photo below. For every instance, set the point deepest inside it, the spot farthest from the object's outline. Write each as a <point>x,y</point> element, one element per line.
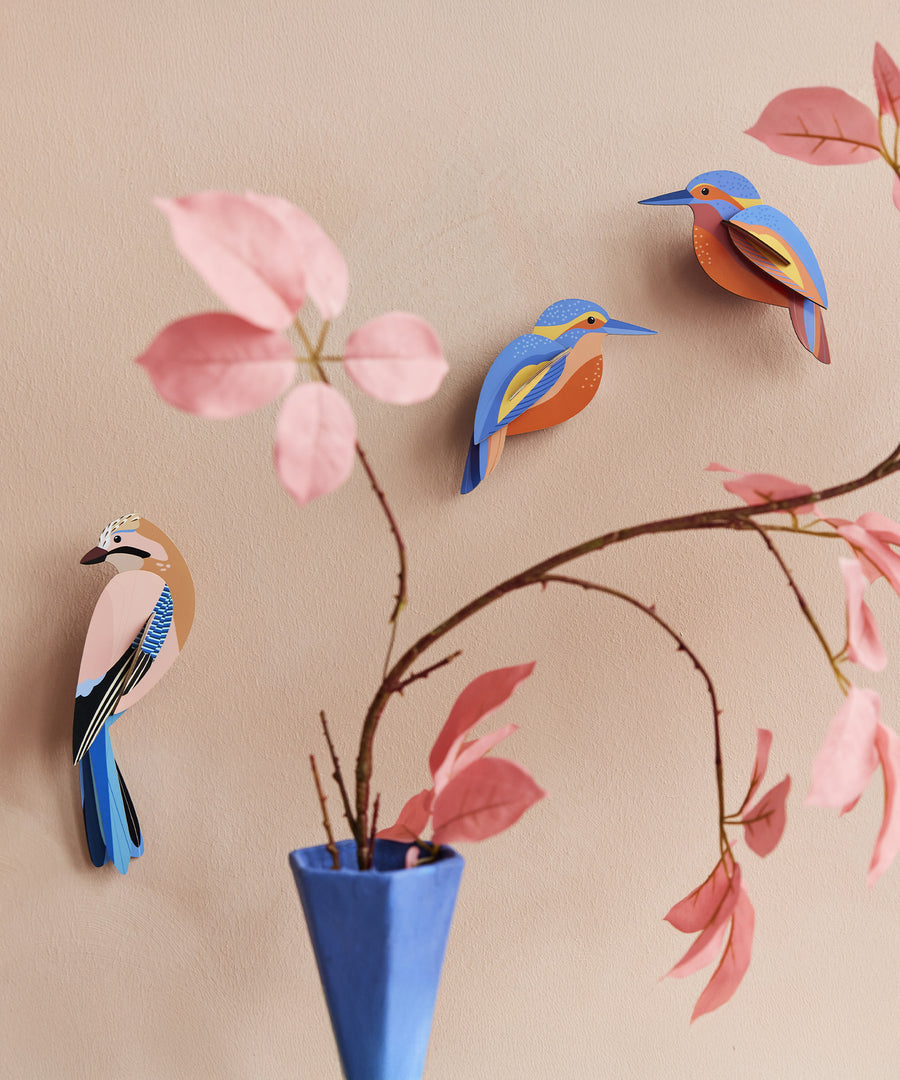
<point>338,778</point>
<point>730,518</point>
<point>651,612</point>
<point>331,846</point>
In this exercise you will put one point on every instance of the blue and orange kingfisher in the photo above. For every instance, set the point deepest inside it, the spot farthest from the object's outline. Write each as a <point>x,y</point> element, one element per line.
<point>540,379</point>
<point>755,251</point>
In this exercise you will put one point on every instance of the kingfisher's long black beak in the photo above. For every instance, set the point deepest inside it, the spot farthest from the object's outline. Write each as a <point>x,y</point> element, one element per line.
<point>95,555</point>
<point>671,198</point>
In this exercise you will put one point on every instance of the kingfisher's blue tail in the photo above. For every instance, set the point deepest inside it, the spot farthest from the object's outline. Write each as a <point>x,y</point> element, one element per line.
<point>476,466</point>
<point>110,823</point>
<point>809,325</point>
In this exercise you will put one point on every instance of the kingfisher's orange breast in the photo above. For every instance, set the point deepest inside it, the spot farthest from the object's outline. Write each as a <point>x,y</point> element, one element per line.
<point>728,268</point>
<point>573,391</point>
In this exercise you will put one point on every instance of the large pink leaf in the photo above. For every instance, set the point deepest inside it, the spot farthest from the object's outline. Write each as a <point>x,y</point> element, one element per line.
<point>413,819</point>
<point>758,488</point>
<point>705,947</point>
<point>863,640</point>
<point>483,800</point>
<point>847,759</point>
<point>243,253</point>
<point>887,743</point>
<point>479,699</point>
<point>875,555</point>
<point>735,959</point>
<point>396,358</point>
<point>760,764</point>
<point>764,823</point>
<point>819,124</point>
<point>474,749</point>
<point>327,276</point>
<point>882,528</point>
<point>698,908</point>
<point>887,83</point>
<point>315,441</point>
<point>219,365</point>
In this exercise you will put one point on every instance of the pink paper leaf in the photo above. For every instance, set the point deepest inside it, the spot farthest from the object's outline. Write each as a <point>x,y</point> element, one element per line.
<point>879,526</point>
<point>413,819</point>
<point>483,800</point>
<point>764,823</point>
<point>412,857</point>
<point>735,959</point>
<point>242,252</point>
<point>887,83</point>
<point>760,764</point>
<point>758,488</point>
<point>876,557</point>
<point>887,743</point>
<point>315,441</point>
<point>820,125</point>
<point>327,276</point>
<point>396,358</point>
<point>697,909</point>
<point>219,365</point>
<point>705,947</point>
<point>479,699</point>
<point>475,749</point>
<point>847,759</point>
<point>863,640</point>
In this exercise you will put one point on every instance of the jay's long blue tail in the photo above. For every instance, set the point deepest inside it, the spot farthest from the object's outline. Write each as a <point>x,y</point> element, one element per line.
<point>110,822</point>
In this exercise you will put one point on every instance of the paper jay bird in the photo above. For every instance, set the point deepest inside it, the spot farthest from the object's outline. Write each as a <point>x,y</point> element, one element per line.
<point>140,624</point>
<point>540,379</point>
<point>753,250</point>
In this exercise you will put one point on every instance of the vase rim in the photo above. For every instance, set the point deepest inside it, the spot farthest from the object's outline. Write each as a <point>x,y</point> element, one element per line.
<point>316,859</point>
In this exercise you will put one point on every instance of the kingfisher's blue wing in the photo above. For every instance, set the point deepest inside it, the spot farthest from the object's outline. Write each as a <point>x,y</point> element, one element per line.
<point>771,241</point>
<point>520,376</point>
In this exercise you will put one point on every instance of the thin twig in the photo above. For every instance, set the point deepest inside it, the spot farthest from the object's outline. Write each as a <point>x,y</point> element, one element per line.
<point>338,778</point>
<point>331,846</point>
<point>425,672</point>
<point>652,613</point>
<point>401,597</point>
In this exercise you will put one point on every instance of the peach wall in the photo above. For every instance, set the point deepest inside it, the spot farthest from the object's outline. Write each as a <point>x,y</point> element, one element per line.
<point>475,161</point>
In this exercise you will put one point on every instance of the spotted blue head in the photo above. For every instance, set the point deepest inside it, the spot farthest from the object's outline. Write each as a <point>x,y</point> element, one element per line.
<point>726,192</point>
<point>574,318</point>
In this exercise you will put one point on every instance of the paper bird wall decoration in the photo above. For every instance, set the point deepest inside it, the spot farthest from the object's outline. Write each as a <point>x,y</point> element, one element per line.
<point>754,251</point>
<point>540,379</point>
<point>140,624</point>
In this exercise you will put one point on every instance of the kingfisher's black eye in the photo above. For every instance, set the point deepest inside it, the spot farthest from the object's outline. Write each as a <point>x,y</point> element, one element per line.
<point>591,319</point>
<point>117,539</point>
<point>704,191</point>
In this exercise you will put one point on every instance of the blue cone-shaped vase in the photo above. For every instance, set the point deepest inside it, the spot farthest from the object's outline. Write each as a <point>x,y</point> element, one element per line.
<point>379,937</point>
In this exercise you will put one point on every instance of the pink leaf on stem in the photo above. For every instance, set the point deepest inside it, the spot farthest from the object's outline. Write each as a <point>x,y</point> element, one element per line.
<point>479,699</point>
<point>396,357</point>
<point>820,125</point>
<point>887,743</point>
<point>413,819</point>
<point>760,764</point>
<point>218,365</point>
<point>847,759</point>
<point>764,823</point>
<point>879,526</point>
<point>878,560</point>
<point>735,960</point>
<point>483,800</point>
<point>887,83</point>
<point>474,749</point>
<point>695,911</point>
<point>315,441</point>
<point>863,640</point>
<point>758,488</point>
<point>705,947</point>
<point>327,276</point>
<point>242,252</point>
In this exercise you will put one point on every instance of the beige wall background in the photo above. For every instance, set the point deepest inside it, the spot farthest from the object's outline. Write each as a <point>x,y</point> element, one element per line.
<point>475,161</point>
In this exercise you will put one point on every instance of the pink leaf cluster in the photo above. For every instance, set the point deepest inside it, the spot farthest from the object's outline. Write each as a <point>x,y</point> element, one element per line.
<point>823,125</point>
<point>856,743</point>
<point>719,910</point>
<point>263,257</point>
<point>472,797</point>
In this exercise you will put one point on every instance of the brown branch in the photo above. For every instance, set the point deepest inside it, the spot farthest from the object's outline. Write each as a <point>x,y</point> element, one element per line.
<point>729,518</point>
<point>338,778</point>
<point>375,807</point>
<point>401,597</point>
<point>331,846</point>
<point>425,672</point>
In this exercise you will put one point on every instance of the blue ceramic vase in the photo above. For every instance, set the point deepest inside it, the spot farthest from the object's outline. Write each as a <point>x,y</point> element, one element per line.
<point>379,937</point>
